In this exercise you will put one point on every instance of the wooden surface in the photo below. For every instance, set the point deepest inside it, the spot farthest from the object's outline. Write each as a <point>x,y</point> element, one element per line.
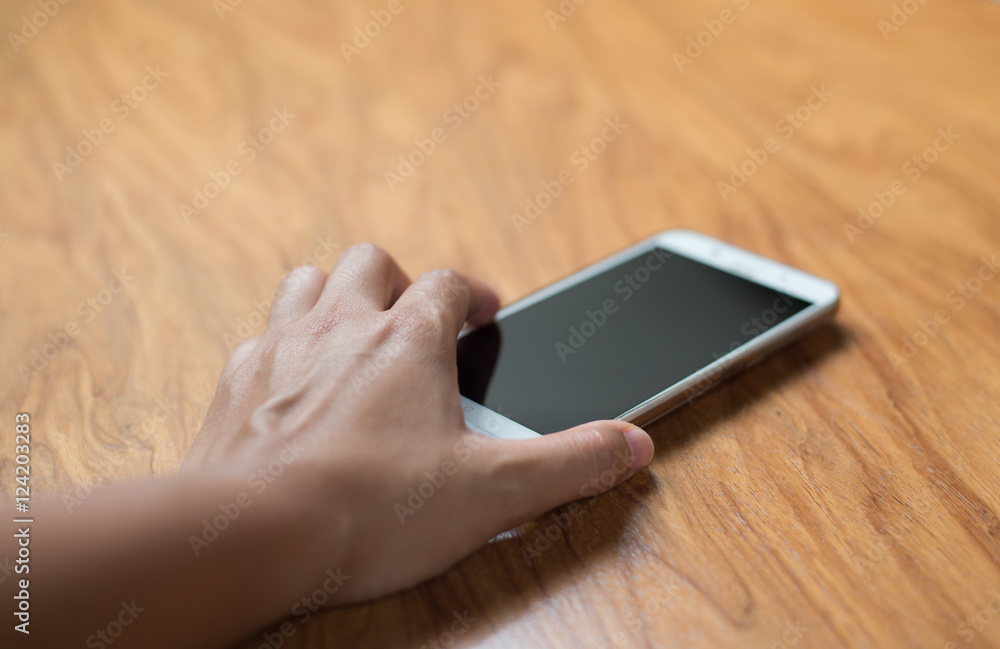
<point>828,497</point>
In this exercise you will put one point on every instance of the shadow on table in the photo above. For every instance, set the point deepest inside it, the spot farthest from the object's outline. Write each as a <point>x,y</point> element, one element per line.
<point>514,572</point>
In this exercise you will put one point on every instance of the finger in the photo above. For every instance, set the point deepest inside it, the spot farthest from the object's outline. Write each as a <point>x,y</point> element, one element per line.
<point>365,274</point>
<point>526,478</point>
<point>451,298</point>
<point>240,354</point>
<point>297,295</point>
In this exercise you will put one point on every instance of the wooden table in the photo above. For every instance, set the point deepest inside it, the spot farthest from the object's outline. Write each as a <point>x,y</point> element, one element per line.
<point>843,493</point>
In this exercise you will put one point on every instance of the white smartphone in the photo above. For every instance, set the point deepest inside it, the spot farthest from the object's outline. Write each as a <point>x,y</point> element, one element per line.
<point>633,336</point>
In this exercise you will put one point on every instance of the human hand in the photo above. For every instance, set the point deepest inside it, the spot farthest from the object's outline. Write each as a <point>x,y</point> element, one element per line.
<point>355,378</point>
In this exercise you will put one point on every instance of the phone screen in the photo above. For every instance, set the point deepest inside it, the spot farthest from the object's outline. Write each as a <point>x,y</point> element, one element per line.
<point>605,345</point>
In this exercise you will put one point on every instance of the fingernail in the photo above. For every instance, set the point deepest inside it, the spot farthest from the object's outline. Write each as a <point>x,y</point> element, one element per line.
<point>642,448</point>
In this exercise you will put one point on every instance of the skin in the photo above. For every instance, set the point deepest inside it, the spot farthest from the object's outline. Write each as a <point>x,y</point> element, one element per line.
<point>347,401</point>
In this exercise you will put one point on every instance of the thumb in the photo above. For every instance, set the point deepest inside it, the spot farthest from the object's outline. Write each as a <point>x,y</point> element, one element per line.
<point>532,476</point>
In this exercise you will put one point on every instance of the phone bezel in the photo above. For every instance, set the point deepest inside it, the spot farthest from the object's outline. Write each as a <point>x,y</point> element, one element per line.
<point>823,294</point>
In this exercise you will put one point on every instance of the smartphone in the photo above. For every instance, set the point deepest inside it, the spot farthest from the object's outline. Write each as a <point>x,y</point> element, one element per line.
<point>633,336</point>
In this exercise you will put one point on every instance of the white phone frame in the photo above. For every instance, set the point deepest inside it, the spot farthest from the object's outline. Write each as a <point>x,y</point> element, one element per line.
<point>823,295</point>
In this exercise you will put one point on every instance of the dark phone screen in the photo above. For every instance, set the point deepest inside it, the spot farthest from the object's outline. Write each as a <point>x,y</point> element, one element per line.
<point>601,347</point>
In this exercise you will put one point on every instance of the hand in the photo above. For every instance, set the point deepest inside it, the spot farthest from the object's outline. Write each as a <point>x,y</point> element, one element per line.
<point>354,383</point>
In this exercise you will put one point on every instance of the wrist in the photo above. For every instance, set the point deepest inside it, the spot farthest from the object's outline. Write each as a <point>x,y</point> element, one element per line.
<point>307,532</point>
<point>260,537</point>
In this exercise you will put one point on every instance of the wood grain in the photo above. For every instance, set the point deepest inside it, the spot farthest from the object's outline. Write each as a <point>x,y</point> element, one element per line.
<point>828,497</point>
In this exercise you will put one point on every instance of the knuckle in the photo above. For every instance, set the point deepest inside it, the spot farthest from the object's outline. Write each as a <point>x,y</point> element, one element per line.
<point>358,262</point>
<point>296,277</point>
<point>440,275</point>
<point>315,327</point>
<point>423,320</point>
<point>444,280</point>
<point>366,252</point>
<point>444,286</point>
